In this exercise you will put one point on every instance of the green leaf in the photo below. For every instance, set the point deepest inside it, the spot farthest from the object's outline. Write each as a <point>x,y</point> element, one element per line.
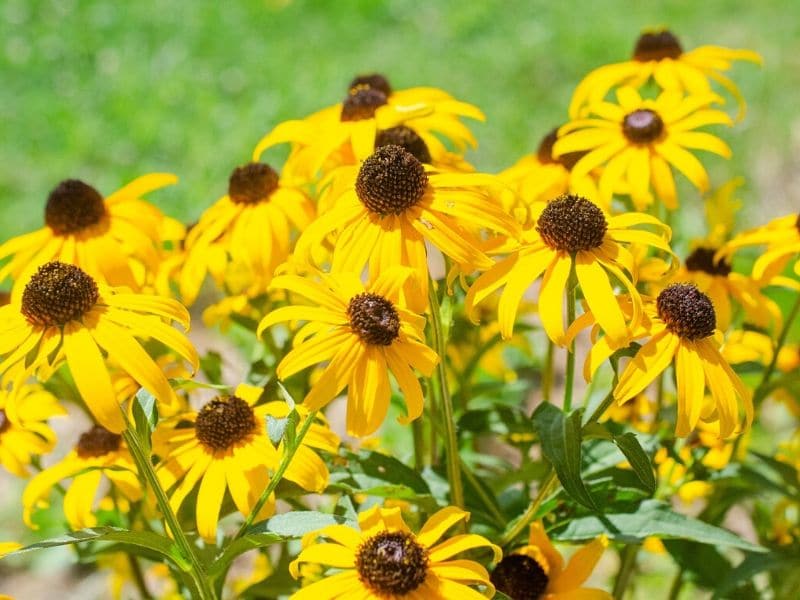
<point>638,459</point>
<point>145,416</point>
<point>276,428</point>
<point>296,524</point>
<point>561,445</point>
<point>651,518</point>
<point>180,383</point>
<point>752,565</point>
<point>211,366</point>
<point>244,544</point>
<point>143,539</point>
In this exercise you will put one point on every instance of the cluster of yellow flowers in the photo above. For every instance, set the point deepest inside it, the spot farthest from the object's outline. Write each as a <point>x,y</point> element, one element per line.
<point>375,227</point>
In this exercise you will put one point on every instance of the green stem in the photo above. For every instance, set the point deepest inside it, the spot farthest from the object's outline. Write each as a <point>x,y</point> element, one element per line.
<point>138,578</point>
<point>197,572</point>
<point>569,382</point>
<point>530,513</point>
<point>418,434</point>
<point>762,386</point>
<point>547,372</point>
<point>490,507</point>
<point>626,570</point>
<point>677,584</point>
<point>445,402</point>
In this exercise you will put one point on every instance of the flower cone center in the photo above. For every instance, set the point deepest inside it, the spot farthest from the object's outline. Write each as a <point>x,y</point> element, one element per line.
<point>73,206</point>
<point>657,45</point>
<point>375,81</point>
<point>392,563</point>
<point>407,139</point>
<point>374,319</point>
<point>702,259</point>
<point>571,223</point>
<point>4,422</point>
<point>58,293</point>
<point>520,577</point>
<point>98,441</point>
<point>223,422</point>
<point>391,181</point>
<point>361,103</point>
<point>642,126</point>
<point>545,152</point>
<point>687,311</point>
<point>252,183</point>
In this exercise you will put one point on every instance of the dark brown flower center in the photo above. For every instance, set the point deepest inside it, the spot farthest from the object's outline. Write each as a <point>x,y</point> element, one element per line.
<point>98,441</point>
<point>702,259</point>
<point>657,45</point>
<point>375,81</point>
<point>391,181</point>
<point>391,563</point>
<point>58,293</point>
<point>642,126</point>
<point>571,223</point>
<point>797,223</point>
<point>519,577</point>
<point>687,311</point>
<point>252,183</point>
<point>5,298</point>
<point>545,152</point>
<point>4,422</point>
<point>374,319</point>
<point>361,103</point>
<point>407,139</point>
<point>73,206</point>
<point>223,422</point>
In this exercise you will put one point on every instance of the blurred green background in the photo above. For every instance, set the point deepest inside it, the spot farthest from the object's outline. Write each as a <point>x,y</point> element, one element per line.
<point>105,91</point>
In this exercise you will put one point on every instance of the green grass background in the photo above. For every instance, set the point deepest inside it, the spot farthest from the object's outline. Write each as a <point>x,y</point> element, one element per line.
<point>106,91</point>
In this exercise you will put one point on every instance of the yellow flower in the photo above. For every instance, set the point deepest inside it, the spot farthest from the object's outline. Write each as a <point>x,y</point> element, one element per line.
<point>249,229</point>
<point>636,141</point>
<point>117,240</point>
<point>24,431</point>
<point>64,316</point>
<point>8,547</point>
<point>98,453</point>
<point>385,560</point>
<point>681,325</point>
<point>639,413</point>
<point>365,332</point>
<point>572,233</point>
<point>225,446</point>
<point>394,204</point>
<point>346,133</point>
<point>781,236</point>
<point>659,54</point>
<point>538,570</point>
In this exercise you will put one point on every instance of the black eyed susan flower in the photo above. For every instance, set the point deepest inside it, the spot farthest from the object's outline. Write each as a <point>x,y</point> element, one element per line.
<point>117,240</point>
<point>365,333</point>
<point>384,559</point>
<point>659,55</point>
<point>572,233</point>
<point>394,205</point>
<point>249,232</point>
<point>24,432</point>
<point>225,446</point>
<point>782,239</point>
<point>682,325</point>
<point>63,315</point>
<point>537,571</point>
<point>98,454</point>
<point>637,143</point>
<point>346,133</point>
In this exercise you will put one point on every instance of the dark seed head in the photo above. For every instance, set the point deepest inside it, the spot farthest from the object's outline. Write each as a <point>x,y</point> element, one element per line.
<point>252,183</point>
<point>5,298</point>
<point>545,152</point>
<point>391,181</point>
<point>58,293</point>
<point>98,441</point>
<point>642,126</point>
<point>407,139</point>
<point>797,223</point>
<point>361,103</point>
<point>4,422</point>
<point>687,311</point>
<point>657,45</point>
<point>374,319</point>
<point>391,564</point>
<point>73,206</point>
<point>571,223</point>
<point>224,422</point>
<point>702,259</point>
<point>375,81</point>
<point>520,577</point>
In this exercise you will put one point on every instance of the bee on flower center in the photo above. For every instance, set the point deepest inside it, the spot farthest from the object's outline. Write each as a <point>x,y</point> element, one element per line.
<point>702,259</point>
<point>642,126</point>
<point>571,223</point>
<point>687,311</point>
<point>374,319</point>
<point>520,577</point>
<point>407,139</point>
<point>58,293</point>
<point>392,563</point>
<point>252,183</point>
<point>657,45</point>
<point>223,422</point>
<point>98,441</point>
<point>73,206</point>
<point>391,181</point>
